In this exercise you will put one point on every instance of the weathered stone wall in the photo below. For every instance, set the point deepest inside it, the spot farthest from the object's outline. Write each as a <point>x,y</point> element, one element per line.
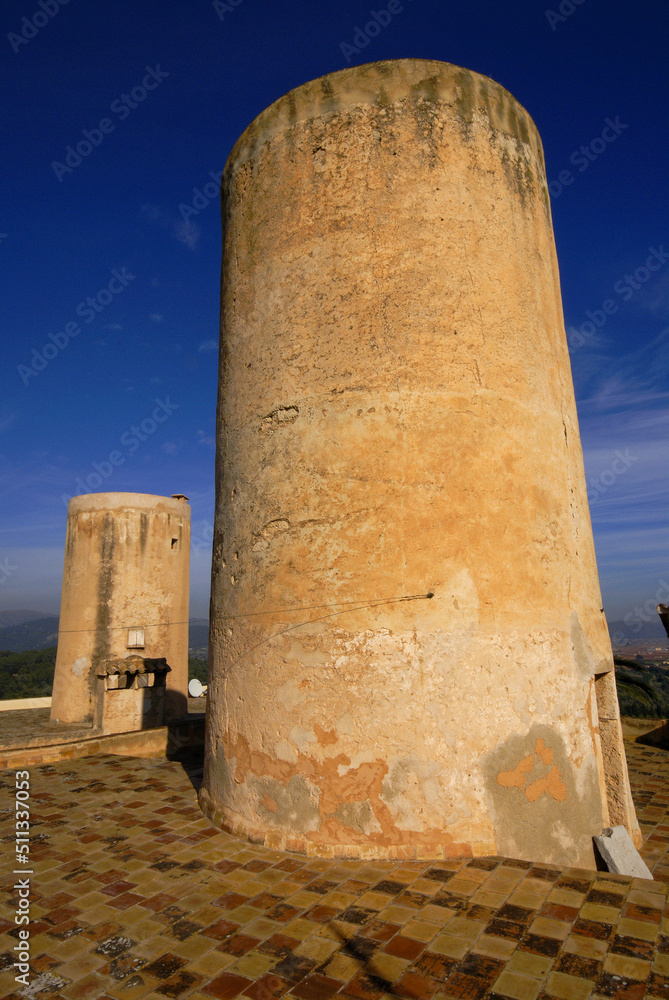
<point>396,418</point>
<point>127,565</point>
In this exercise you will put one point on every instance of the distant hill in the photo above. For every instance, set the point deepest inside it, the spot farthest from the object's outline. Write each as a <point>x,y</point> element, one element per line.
<point>25,630</point>
<point>40,633</point>
<point>198,634</point>
<point>19,617</point>
<point>645,632</point>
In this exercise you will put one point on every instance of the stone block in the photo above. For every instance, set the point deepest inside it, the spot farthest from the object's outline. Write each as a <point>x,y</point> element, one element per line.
<point>619,853</point>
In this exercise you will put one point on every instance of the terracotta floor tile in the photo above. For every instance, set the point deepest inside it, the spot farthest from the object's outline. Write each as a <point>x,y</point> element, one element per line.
<point>91,987</point>
<point>388,967</point>
<point>567,987</point>
<point>396,914</point>
<point>239,944</point>
<point>342,967</point>
<point>414,986</point>
<point>609,985</point>
<point>528,897</point>
<point>421,930</point>
<point>558,911</point>
<point>658,986</point>
<point>644,929</point>
<point>434,965</point>
<point>469,930</point>
<point>487,897</point>
<point>516,986</point>
<point>494,947</point>
<point>82,966</point>
<point>226,986</point>
<point>252,965</point>
<point>379,930</point>
<point>448,944</point>
<point>316,987</point>
<point>403,947</point>
<point>299,928</point>
<point>516,914</point>
<point>578,965</point>
<point>598,912</point>
<point>465,987</point>
<point>548,927</point>
<point>364,987</point>
<point>592,929</point>
<point>529,964</point>
<point>642,897</point>
<point>635,912</point>
<point>626,967</point>
<point>481,967</point>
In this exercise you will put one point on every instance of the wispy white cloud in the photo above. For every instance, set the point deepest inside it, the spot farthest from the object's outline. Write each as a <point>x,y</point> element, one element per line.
<point>208,345</point>
<point>188,233</point>
<point>634,380</point>
<point>206,439</point>
<point>626,456</point>
<point>185,232</point>
<point>157,318</point>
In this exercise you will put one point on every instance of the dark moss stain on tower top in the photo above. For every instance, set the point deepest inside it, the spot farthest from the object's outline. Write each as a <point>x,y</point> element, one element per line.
<point>143,530</point>
<point>101,649</point>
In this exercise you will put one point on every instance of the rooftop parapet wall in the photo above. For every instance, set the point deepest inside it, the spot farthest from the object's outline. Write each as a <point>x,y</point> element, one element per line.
<point>396,420</point>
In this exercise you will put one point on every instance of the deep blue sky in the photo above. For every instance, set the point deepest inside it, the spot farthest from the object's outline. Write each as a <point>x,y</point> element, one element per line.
<point>63,235</point>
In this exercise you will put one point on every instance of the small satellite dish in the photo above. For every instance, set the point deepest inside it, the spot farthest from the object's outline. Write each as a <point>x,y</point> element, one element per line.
<point>195,688</point>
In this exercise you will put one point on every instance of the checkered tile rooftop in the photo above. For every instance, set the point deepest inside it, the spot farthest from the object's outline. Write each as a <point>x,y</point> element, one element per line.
<point>134,895</point>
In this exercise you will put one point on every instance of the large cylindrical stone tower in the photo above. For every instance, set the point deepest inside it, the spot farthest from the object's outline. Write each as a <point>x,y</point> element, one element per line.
<point>125,592</point>
<point>407,641</point>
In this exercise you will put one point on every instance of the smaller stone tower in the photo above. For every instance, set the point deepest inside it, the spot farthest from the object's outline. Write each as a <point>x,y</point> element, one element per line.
<point>125,597</point>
